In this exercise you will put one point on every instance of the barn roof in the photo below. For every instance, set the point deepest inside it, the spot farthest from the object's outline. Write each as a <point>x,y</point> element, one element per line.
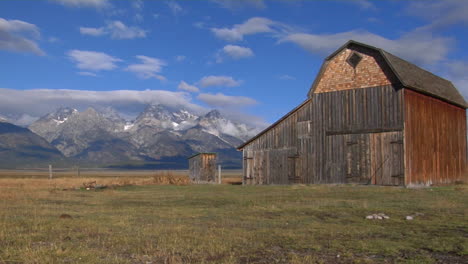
<point>423,81</point>
<point>409,75</point>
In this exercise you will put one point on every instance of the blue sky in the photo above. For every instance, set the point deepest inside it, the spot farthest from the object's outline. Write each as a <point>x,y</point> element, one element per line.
<point>254,60</point>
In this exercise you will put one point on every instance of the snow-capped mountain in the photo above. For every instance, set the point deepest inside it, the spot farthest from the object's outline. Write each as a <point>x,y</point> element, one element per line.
<point>161,117</point>
<point>159,132</point>
<point>47,126</point>
<point>216,124</point>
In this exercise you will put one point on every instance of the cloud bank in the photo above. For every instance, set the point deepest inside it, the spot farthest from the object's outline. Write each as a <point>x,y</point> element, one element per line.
<point>25,106</point>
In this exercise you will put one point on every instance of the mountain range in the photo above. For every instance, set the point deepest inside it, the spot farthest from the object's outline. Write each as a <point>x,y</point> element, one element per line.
<point>159,137</point>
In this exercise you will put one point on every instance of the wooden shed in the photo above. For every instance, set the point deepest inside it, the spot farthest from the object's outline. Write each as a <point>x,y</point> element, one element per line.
<point>202,167</point>
<point>370,117</point>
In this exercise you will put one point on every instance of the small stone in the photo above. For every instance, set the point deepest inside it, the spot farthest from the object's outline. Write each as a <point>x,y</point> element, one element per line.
<point>338,256</point>
<point>409,217</point>
<point>379,217</point>
<point>370,217</point>
<point>386,217</point>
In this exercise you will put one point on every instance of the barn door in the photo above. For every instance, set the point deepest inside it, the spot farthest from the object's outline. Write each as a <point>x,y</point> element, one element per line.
<point>357,158</point>
<point>387,158</point>
<point>335,159</point>
<point>348,158</point>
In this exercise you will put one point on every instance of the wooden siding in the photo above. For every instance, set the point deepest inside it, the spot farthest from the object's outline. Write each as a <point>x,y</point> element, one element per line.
<point>298,149</point>
<point>435,140</point>
<point>202,168</point>
<point>365,158</point>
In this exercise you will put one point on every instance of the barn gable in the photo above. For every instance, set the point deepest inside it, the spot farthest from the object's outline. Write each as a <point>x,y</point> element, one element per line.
<point>378,68</point>
<point>354,67</point>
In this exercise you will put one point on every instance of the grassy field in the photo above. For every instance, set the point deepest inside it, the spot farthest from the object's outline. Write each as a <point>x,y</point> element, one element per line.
<point>139,220</point>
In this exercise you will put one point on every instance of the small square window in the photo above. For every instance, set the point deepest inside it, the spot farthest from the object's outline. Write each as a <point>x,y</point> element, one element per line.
<point>354,59</point>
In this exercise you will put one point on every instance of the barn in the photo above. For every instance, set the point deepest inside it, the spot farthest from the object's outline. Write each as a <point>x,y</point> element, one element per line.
<point>370,117</point>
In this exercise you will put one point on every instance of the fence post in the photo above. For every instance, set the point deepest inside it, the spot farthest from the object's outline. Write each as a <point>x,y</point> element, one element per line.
<point>219,174</point>
<point>50,171</point>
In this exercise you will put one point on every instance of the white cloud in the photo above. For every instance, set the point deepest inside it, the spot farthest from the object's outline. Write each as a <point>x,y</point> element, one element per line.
<point>85,73</point>
<point>180,58</point>
<point>85,3</point>
<point>199,24</point>
<point>418,47</point>
<point>219,81</point>
<point>92,31</point>
<point>19,36</point>
<point>456,71</point>
<point>139,17</point>
<point>137,4</point>
<point>286,77</point>
<point>440,14</point>
<point>222,100</point>
<point>252,26</point>
<point>148,68</point>
<point>92,60</point>
<point>187,87</point>
<point>53,39</point>
<point>175,8</point>
<point>138,8</point>
<point>116,30</point>
<point>239,4</point>
<point>364,4</point>
<point>237,52</point>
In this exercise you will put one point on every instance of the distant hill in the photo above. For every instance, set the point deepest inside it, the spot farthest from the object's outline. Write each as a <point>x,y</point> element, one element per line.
<point>21,148</point>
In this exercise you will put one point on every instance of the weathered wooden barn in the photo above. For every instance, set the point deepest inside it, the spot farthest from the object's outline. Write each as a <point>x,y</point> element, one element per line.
<point>202,167</point>
<point>370,118</point>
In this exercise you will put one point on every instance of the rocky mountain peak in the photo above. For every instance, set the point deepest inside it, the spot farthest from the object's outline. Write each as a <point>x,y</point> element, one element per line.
<point>90,112</point>
<point>214,114</point>
<point>111,114</point>
<point>60,115</point>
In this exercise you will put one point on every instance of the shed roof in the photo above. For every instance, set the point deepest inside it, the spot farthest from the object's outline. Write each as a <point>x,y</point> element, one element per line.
<point>202,153</point>
<point>409,75</point>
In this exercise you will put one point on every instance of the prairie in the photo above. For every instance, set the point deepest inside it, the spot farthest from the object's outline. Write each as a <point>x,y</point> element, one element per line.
<point>143,218</point>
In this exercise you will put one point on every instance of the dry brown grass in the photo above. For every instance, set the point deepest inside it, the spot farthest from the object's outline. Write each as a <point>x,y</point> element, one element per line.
<point>169,178</point>
<point>161,223</point>
<point>17,188</point>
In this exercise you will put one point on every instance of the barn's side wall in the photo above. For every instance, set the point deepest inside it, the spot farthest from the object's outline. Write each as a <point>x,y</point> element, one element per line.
<point>435,140</point>
<point>304,147</point>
